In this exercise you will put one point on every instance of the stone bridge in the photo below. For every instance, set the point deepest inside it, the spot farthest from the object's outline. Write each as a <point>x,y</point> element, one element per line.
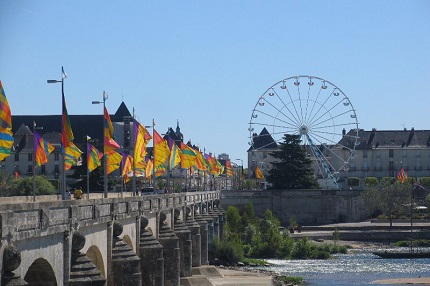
<point>141,240</point>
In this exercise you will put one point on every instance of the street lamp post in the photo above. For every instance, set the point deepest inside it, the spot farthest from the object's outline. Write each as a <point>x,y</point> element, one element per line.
<point>63,175</point>
<point>241,175</point>
<point>105,186</point>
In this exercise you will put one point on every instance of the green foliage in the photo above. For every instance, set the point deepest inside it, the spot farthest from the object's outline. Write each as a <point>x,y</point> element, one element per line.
<point>292,169</point>
<point>302,249</point>
<point>415,243</point>
<point>262,237</point>
<point>255,262</point>
<point>55,183</point>
<point>293,222</point>
<point>371,181</point>
<point>24,187</point>
<point>353,182</point>
<point>227,251</point>
<point>387,180</point>
<point>96,178</point>
<point>336,235</point>
<point>291,280</point>
<point>425,182</point>
<point>234,222</point>
<point>387,198</point>
<point>249,184</point>
<point>6,179</point>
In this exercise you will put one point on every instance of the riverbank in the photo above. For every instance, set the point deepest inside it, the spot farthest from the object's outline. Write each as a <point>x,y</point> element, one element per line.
<point>250,277</point>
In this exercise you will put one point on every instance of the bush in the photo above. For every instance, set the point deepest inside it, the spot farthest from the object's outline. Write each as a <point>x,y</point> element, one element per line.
<point>229,252</point>
<point>425,181</point>
<point>371,181</point>
<point>291,280</point>
<point>353,182</point>
<point>388,180</point>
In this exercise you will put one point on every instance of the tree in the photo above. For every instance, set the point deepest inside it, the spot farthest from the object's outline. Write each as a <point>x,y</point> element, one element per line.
<point>293,169</point>
<point>96,178</point>
<point>24,187</point>
<point>5,182</point>
<point>388,197</point>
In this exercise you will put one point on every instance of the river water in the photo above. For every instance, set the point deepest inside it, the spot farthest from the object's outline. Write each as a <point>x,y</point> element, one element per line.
<point>359,267</point>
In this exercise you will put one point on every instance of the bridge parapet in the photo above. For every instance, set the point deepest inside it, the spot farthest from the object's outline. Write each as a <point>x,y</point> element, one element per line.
<point>27,219</point>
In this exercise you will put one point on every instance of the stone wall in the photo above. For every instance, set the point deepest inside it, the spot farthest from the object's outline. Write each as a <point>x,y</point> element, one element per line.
<point>309,207</point>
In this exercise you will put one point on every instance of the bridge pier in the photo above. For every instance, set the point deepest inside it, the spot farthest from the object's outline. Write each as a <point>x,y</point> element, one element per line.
<point>185,247</point>
<point>151,257</point>
<point>194,228</point>
<point>170,243</point>
<point>203,236</point>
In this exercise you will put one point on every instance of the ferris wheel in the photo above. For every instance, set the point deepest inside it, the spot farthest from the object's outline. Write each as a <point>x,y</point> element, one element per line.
<point>316,110</point>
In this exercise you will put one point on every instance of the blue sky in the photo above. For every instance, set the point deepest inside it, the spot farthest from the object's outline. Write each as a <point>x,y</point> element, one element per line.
<point>205,63</point>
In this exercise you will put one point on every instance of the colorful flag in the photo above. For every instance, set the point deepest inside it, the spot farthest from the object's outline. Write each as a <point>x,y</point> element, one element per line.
<point>228,169</point>
<point>109,134</point>
<point>71,156</point>
<point>66,129</point>
<point>200,161</point>
<point>127,164</point>
<point>6,138</point>
<point>258,173</point>
<point>188,156</point>
<point>148,168</point>
<point>114,160</point>
<point>219,168</point>
<point>161,150</point>
<point>211,163</point>
<point>401,176</point>
<point>42,149</point>
<point>160,170</point>
<point>140,168</point>
<point>141,139</point>
<point>175,154</point>
<point>93,157</point>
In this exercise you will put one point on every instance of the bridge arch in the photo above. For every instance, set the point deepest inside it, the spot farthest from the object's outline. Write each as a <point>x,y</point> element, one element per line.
<point>40,273</point>
<point>128,240</point>
<point>94,254</point>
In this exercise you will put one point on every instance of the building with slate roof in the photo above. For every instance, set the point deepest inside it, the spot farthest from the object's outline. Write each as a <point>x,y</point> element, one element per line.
<point>49,126</point>
<point>378,153</point>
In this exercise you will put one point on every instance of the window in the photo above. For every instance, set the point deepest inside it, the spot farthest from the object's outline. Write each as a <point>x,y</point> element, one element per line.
<point>391,165</point>
<point>43,170</point>
<point>16,157</point>
<point>364,153</point>
<point>391,153</point>
<point>30,157</point>
<point>30,169</point>
<point>56,156</point>
<point>57,169</point>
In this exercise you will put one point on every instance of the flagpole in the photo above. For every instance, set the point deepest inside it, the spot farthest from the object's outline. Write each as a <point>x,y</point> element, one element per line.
<point>153,156</point>
<point>133,143</point>
<point>34,163</point>
<point>88,173</point>
<point>105,180</point>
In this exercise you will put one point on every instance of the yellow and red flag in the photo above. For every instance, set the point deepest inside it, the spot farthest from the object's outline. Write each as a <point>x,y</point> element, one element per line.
<point>161,150</point>
<point>188,156</point>
<point>114,160</point>
<point>42,149</point>
<point>6,138</point>
<point>109,134</point>
<point>93,157</point>
<point>141,139</point>
<point>258,173</point>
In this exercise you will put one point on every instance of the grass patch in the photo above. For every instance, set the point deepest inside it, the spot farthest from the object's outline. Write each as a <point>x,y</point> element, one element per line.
<point>255,262</point>
<point>295,280</point>
<point>416,243</point>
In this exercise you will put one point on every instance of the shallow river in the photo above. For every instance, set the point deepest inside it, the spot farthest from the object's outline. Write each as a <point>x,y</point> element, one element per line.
<point>360,267</point>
